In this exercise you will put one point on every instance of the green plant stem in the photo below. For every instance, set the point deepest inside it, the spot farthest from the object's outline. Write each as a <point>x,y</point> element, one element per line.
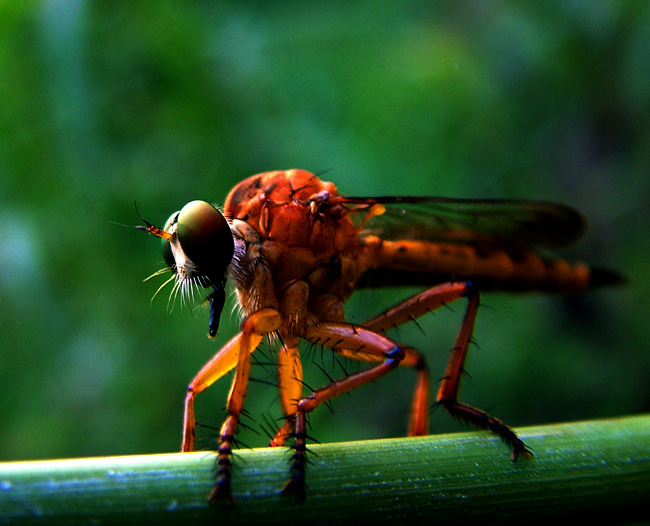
<point>596,468</point>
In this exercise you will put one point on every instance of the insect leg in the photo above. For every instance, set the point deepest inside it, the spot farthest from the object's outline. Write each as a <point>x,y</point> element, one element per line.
<point>290,383</point>
<point>220,364</point>
<point>293,304</point>
<point>408,310</point>
<point>338,335</point>
<point>449,386</point>
<point>419,421</point>
<point>254,327</point>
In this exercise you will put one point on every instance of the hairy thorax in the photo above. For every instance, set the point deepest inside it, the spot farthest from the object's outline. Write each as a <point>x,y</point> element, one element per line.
<point>296,248</point>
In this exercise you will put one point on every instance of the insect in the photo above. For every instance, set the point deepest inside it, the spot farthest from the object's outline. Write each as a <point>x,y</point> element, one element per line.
<point>296,250</point>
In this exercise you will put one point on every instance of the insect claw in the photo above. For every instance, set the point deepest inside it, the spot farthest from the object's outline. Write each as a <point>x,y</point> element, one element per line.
<point>295,486</point>
<point>222,493</point>
<point>520,449</point>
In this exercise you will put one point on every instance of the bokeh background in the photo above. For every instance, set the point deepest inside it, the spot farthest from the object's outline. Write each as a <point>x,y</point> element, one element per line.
<point>161,102</point>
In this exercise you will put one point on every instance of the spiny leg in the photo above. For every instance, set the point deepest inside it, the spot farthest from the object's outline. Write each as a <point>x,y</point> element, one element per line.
<point>290,369</point>
<point>362,350</point>
<point>338,336</point>
<point>254,327</point>
<point>419,419</point>
<point>290,385</point>
<point>293,301</point>
<point>450,384</point>
<point>236,353</point>
<point>409,310</point>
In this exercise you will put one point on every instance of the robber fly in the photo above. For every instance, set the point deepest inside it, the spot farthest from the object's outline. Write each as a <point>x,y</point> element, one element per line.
<point>295,250</point>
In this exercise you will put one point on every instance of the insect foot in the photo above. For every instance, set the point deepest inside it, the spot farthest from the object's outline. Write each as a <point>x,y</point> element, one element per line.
<point>296,484</point>
<point>222,491</point>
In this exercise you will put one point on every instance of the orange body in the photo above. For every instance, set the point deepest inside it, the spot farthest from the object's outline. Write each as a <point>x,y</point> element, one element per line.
<point>309,246</point>
<point>300,251</point>
<point>308,240</point>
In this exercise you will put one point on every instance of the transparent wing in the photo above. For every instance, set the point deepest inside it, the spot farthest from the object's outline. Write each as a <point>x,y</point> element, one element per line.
<point>475,221</point>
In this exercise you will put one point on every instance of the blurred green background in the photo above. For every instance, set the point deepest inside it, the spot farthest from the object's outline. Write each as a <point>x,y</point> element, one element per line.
<point>161,102</point>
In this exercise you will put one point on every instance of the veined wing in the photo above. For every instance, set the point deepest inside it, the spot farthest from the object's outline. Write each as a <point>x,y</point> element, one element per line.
<point>492,222</point>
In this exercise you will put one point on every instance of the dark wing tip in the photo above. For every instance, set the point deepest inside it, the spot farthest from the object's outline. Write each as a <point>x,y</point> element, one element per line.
<point>602,277</point>
<point>554,225</point>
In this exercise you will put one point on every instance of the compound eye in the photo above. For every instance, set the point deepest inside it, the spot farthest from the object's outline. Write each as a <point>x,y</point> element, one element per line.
<point>166,245</point>
<point>205,237</point>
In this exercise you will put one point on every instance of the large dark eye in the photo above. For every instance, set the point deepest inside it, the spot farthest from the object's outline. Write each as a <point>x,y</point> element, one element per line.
<point>205,237</point>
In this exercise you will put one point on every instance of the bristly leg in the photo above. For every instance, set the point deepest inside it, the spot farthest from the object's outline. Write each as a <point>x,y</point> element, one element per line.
<point>237,353</point>
<point>483,420</point>
<point>341,336</point>
<point>222,492</point>
<point>450,384</point>
<point>296,483</point>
